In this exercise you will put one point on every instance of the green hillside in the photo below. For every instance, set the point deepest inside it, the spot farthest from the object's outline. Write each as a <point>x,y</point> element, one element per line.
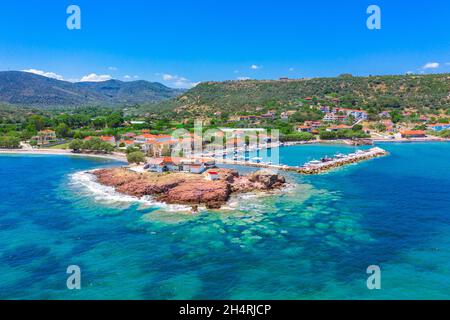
<point>375,93</point>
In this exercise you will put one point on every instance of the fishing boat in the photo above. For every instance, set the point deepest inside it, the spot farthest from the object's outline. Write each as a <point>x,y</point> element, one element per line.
<point>326,159</point>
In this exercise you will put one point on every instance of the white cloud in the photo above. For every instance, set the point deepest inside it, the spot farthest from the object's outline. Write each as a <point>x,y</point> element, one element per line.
<point>128,77</point>
<point>178,81</point>
<point>168,77</point>
<point>255,67</point>
<point>45,74</point>
<point>113,68</point>
<point>96,78</point>
<point>243,78</point>
<point>431,65</point>
<point>291,69</point>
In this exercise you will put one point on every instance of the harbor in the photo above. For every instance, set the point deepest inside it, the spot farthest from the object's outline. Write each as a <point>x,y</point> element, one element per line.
<point>316,166</point>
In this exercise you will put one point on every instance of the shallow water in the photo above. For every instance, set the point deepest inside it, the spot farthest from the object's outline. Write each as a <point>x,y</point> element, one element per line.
<point>312,241</point>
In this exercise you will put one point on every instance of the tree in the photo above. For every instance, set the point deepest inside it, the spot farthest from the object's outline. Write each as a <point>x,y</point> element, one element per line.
<point>445,134</point>
<point>36,123</point>
<point>136,157</point>
<point>299,136</point>
<point>114,120</point>
<point>326,135</point>
<point>396,116</point>
<point>62,131</point>
<point>9,142</point>
<point>76,145</point>
<point>131,149</point>
<point>106,147</point>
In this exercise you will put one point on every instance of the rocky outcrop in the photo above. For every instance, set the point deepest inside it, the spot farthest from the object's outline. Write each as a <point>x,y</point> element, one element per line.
<point>267,180</point>
<point>211,193</point>
<point>188,189</point>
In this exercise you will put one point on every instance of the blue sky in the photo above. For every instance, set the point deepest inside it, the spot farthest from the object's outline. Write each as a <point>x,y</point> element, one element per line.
<point>180,43</point>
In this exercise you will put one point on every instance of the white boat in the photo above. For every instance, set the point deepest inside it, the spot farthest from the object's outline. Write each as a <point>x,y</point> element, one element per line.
<point>314,163</point>
<point>256,159</point>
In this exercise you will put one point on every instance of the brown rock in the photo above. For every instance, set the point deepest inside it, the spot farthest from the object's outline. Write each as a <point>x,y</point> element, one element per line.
<point>185,188</point>
<point>267,180</point>
<point>212,193</point>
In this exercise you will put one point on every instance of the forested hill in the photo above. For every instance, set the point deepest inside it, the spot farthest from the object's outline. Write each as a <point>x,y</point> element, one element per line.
<point>31,90</point>
<point>375,92</point>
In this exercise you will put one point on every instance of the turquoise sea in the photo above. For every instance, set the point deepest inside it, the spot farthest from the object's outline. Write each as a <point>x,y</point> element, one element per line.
<point>311,241</point>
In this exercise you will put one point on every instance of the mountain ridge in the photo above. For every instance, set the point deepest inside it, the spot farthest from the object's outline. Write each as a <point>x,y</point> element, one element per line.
<point>25,89</point>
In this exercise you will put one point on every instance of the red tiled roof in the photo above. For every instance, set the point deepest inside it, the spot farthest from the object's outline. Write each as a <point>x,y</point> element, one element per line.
<point>413,132</point>
<point>127,141</point>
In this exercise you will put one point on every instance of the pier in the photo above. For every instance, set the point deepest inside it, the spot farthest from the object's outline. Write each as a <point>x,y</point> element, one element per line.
<point>317,167</point>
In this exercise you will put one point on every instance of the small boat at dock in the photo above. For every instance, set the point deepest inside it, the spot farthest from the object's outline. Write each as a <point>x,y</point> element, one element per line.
<point>256,159</point>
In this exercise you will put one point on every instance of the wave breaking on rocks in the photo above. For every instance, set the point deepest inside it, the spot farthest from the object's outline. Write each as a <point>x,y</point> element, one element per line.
<point>195,190</point>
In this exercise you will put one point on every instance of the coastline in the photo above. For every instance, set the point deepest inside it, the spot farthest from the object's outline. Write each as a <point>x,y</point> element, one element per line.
<point>62,152</point>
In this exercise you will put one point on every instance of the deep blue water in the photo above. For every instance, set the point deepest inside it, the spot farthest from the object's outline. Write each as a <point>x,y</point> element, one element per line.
<point>313,241</point>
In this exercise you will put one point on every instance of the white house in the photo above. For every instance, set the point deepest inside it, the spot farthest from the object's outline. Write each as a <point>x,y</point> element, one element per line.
<point>212,176</point>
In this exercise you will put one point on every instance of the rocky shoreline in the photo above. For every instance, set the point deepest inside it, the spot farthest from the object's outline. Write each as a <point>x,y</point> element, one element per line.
<point>186,188</point>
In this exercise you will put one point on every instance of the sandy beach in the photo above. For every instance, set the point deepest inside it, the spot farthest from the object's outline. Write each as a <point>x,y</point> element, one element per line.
<point>61,152</point>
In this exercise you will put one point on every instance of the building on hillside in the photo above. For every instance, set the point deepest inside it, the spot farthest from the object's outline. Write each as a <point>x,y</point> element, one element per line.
<point>338,128</point>
<point>128,136</point>
<point>286,114</point>
<point>384,114</point>
<point>334,117</point>
<point>413,134</point>
<point>357,114</point>
<point>313,124</point>
<point>144,138</point>
<point>45,137</point>
<point>389,125</point>
<point>304,128</point>
<point>439,127</point>
<point>325,109</point>
<point>137,122</point>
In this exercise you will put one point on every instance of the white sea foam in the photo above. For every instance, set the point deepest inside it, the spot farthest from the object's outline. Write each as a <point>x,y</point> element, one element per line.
<point>87,184</point>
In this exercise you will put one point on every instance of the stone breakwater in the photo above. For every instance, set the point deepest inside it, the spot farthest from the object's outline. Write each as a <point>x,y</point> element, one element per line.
<point>339,162</point>
<point>186,188</point>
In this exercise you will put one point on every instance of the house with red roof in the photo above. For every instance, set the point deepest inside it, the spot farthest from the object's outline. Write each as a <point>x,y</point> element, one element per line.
<point>338,128</point>
<point>45,137</point>
<point>304,128</point>
<point>212,176</point>
<point>413,134</point>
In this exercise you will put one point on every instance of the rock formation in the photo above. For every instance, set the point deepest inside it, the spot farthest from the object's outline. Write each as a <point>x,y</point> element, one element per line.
<point>188,189</point>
